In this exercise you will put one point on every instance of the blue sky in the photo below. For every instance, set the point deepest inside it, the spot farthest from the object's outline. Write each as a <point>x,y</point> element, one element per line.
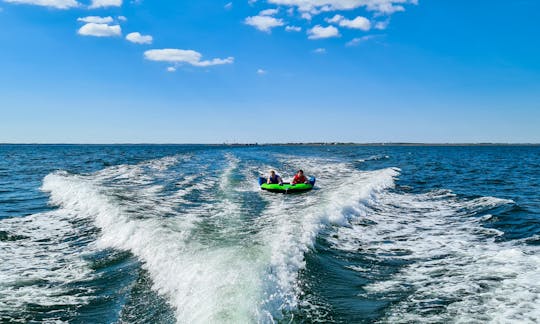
<point>113,71</point>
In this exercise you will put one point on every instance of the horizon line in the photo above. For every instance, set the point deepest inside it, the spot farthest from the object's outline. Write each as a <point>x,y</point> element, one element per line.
<point>299,144</point>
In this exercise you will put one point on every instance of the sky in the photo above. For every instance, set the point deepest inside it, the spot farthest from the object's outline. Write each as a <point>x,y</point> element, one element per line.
<point>268,71</point>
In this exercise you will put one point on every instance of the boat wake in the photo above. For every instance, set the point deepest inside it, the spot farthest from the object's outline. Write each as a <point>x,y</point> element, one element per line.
<point>216,249</point>
<point>453,267</point>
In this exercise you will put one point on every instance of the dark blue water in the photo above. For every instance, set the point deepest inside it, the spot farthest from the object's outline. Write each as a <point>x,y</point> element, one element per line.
<point>390,234</point>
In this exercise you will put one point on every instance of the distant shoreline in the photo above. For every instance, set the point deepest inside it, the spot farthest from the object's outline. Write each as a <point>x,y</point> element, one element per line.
<point>274,144</point>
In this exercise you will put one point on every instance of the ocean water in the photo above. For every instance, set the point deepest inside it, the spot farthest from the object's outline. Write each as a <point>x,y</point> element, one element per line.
<point>165,234</point>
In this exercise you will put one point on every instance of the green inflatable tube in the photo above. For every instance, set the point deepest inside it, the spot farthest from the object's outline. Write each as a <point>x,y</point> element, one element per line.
<point>286,187</point>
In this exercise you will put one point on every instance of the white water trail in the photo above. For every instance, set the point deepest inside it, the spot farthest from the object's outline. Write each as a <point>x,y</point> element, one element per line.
<point>38,266</point>
<point>203,283</point>
<point>257,278</point>
<point>212,267</point>
<point>459,271</point>
<point>291,225</point>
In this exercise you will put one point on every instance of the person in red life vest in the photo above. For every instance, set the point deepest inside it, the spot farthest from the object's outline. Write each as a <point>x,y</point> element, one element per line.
<point>299,177</point>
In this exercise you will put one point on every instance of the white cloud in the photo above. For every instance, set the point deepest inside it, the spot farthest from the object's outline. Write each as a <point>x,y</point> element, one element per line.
<point>191,57</point>
<point>261,71</point>
<point>319,50</point>
<point>357,41</point>
<point>293,28</point>
<point>122,18</point>
<point>335,20</point>
<point>382,25</point>
<point>171,69</point>
<point>306,16</point>
<point>357,23</point>
<point>228,6</point>
<point>318,32</point>
<point>96,19</point>
<point>58,4</point>
<point>100,30</point>
<point>316,6</point>
<point>105,3</point>
<point>137,38</point>
<point>268,12</point>
<point>263,23</point>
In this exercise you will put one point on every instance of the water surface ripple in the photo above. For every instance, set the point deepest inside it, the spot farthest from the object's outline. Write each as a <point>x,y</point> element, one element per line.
<point>390,234</point>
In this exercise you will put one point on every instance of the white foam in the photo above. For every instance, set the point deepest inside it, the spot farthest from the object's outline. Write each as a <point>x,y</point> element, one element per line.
<point>46,260</point>
<point>374,158</point>
<point>291,225</point>
<point>248,270</point>
<point>458,267</point>
<point>203,282</point>
<point>38,267</point>
<point>243,279</point>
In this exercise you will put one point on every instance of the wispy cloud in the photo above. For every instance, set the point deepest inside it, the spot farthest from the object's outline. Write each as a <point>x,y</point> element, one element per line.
<point>179,56</point>
<point>382,25</point>
<point>58,4</point>
<point>264,23</point>
<point>137,38</point>
<point>268,12</point>
<point>96,19</point>
<point>261,71</point>
<point>228,6</point>
<point>105,3</point>
<point>306,12</point>
<point>319,32</point>
<point>319,50</point>
<point>386,7</point>
<point>359,40</point>
<point>100,30</point>
<point>334,20</point>
<point>293,28</point>
<point>306,16</point>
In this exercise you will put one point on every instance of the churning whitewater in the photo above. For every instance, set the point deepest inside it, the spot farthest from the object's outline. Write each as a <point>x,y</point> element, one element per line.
<point>190,238</point>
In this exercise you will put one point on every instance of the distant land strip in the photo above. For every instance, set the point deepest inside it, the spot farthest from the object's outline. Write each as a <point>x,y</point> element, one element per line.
<point>286,144</point>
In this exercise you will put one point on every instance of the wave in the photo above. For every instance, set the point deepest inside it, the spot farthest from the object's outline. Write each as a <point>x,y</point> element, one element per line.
<point>41,262</point>
<point>374,158</point>
<point>217,249</point>
<point>456,269</point>
<point>209,261</point>
<point>292,225</point>
<point>202,283</point>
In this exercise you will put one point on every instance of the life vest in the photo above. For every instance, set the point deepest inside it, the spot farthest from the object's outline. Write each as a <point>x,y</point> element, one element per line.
<point>299,179</point>
<point>274,179</point>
